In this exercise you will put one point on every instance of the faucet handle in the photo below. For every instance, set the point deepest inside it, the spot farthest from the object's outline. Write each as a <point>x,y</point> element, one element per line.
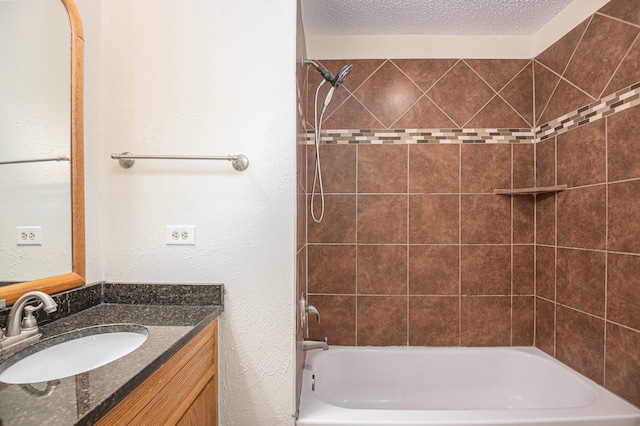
<point>29,322</point>
<point>313,310</point>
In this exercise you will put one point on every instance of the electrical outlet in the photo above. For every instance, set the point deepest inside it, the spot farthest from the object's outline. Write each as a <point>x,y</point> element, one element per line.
<point>185,234</point>
<point>29,235</point>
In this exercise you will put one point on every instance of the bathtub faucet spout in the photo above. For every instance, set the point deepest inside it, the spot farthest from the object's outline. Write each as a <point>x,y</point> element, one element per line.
<point>308,345</point>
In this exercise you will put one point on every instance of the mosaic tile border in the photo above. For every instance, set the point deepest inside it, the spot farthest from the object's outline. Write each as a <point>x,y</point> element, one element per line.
<point>616,102</point>
<point>611,104</point>
<point>411,136</point>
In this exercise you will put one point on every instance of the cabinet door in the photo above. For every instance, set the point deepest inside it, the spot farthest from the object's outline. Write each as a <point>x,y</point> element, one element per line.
<point>204,410</point>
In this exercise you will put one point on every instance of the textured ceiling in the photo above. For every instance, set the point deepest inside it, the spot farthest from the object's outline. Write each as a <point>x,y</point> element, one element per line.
<point>428,17</point>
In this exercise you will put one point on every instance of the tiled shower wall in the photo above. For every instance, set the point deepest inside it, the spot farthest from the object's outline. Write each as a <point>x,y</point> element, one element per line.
<point>588,237</point>
<point>416,249</point>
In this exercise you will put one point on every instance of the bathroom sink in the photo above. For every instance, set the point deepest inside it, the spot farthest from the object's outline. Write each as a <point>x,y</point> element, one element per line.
<point>72,353</point>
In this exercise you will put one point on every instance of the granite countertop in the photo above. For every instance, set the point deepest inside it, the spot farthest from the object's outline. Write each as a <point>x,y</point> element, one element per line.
<point>172,314</point>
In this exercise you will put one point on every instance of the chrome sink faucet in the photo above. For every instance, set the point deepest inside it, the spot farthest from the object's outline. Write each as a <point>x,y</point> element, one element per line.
<point>18,329</point>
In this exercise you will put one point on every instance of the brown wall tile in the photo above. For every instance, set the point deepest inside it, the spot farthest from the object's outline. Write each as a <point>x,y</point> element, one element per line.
<point>523,165</point>
<point>497,72</point>
<point>382,168</point>
<point>382,219</point>
<point>388,93</point>
<point>424,114</point>
<point>546,272</point>
<point>434,321</point>
<point>627,73</point>
<point>350,114</point>
<point>623,292</point>
<point>485,321</point>
<point>580,342</point>
<point>546,218</point>
<point>433,219</point>
<point>596,57</point>
<point>627,10</point>
<point>434,168</point>
<point>434,270</point>
<point>338,166</point>
<point>498,113</point>
<point>623,363</point>
<point>546,162</point>
<point>382,320</point>
<point>582,155</point>
<point>523,219</point>
<point>557,56</point>
<point>624,217</point>
<point>425,72</point>
<point>332,269</point>
<point>485,168</point>
<point>339,223</point>
<point>382,269</point>
<point>623,134</point>
<point>337,319</point>
<point>565,98</point>
<point>485,219</point>
<point>460,82</point>
<point>582,217</point>
<point>485,270</point>
<point>519,93</point>
<point>545,326</point>
<point>522,329</point>
<point>523,270</point>
<point>580,280</point>
<point>546,82</point>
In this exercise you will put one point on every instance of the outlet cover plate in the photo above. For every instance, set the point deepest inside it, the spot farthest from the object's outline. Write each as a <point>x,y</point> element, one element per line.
<point>29,235</point>
<point>181,234</point>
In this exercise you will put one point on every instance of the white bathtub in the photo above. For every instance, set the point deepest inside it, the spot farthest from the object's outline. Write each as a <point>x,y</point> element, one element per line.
<point>349,386</point>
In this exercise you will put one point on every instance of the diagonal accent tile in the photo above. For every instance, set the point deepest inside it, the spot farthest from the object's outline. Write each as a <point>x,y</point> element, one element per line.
<point>351,115</point>
<point>424,72</point>
<point>565,99</point>
<point>388,93</point>
<point>497,72</point>
<point>629,71</point>
<point>426,115</point>
<point>497,113</point>
<point>627,10</point>
<point>545,83</point>
<point>596,57</point>
<point>460,83</point>
<point>519,93</point>
<point>556,57</point>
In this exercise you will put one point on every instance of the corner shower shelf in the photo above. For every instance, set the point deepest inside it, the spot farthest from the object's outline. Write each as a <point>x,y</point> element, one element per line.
<point>530,191</point>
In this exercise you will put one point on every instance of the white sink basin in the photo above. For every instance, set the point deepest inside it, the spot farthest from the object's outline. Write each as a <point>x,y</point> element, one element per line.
<point>72,353</point>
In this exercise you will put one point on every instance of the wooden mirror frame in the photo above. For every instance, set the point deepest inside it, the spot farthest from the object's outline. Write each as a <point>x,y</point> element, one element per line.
<point>76,278</point>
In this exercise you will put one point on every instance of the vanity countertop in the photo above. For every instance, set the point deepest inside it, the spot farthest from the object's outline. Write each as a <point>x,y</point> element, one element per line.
<point>85,397</point>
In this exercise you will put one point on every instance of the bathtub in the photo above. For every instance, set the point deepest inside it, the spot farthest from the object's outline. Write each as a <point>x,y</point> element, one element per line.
<point>401,386</point>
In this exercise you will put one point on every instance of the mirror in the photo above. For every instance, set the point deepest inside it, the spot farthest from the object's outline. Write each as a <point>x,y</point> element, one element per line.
<point>61,183</point>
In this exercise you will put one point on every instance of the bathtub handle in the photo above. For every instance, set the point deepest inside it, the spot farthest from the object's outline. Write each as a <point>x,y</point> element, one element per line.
<point>313,310</point>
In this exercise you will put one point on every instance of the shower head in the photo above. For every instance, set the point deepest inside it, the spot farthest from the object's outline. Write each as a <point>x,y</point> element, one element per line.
<point>335,81</point>
<point>342,75</point>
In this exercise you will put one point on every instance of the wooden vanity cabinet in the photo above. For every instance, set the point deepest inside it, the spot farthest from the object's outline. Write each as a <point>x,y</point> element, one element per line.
<point>183,391</point>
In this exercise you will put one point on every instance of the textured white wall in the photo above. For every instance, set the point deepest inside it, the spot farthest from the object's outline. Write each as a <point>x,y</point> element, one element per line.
<point>203,77</point>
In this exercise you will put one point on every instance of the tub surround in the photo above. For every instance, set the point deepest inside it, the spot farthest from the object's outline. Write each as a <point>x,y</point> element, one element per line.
<point>173,314</point>
<point>416,249</point>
